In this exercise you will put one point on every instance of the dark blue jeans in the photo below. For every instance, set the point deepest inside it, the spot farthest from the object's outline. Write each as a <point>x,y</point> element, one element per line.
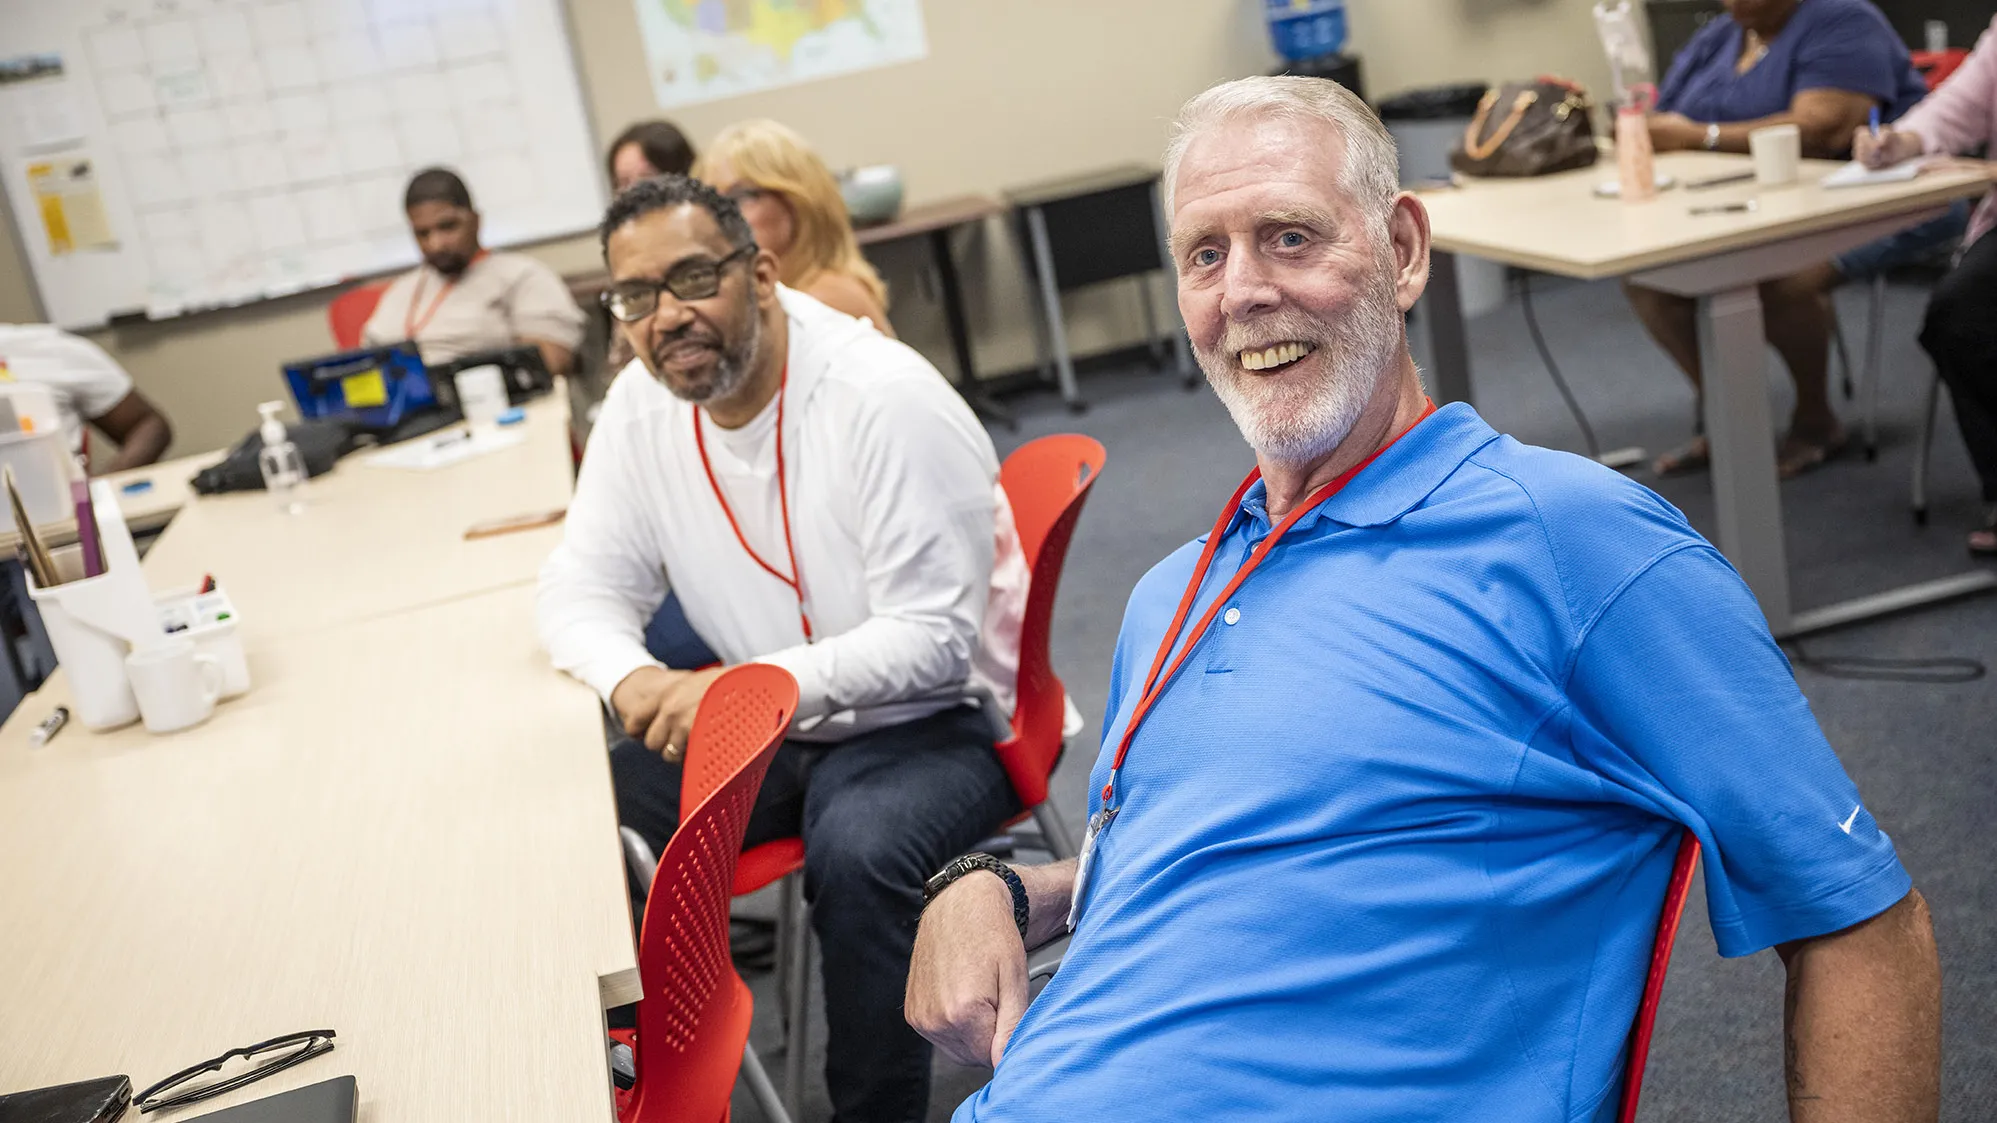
<point>878,814</point>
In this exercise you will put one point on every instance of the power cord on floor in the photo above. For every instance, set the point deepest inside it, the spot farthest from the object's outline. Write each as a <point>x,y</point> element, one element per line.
<point>1940,670</point>
<point>1553,368</point>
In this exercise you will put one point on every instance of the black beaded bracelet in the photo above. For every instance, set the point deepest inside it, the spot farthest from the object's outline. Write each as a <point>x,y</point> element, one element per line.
<point>970,863</point>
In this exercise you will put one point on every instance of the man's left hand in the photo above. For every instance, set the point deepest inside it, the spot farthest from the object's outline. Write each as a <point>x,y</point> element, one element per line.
<point>667,735</point>
<point>1672,132</point>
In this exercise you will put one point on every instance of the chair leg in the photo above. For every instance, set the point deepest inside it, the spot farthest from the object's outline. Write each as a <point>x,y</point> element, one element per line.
<point>1059,842</point>
<point>797,982</point>
<point>760,1088</point>
<point>1922,450</point>
<point>638,856</point>
<point>1875,341</point>
<point>1843,353</point>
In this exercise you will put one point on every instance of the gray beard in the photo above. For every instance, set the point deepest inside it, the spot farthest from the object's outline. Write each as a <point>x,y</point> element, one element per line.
<point>1296,424</point>
<point>731,370</point>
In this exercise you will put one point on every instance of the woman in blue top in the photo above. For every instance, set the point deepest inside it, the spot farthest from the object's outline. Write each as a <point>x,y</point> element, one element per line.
<point>1823,66</point>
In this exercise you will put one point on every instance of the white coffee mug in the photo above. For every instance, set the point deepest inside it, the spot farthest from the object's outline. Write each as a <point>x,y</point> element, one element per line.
<point>481,394</point>
<point>176,686</point>
<point>1778,154</point>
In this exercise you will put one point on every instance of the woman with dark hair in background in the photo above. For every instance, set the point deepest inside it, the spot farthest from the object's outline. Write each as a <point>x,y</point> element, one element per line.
<point>646,149</point>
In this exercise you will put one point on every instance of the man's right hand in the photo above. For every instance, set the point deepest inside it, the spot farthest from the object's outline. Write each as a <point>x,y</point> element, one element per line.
<point>967,978</point>
<point>1888,148</point>
<point>636,700</point>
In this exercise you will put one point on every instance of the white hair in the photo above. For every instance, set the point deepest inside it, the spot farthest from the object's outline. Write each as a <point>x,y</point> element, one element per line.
<point>1370,171</point>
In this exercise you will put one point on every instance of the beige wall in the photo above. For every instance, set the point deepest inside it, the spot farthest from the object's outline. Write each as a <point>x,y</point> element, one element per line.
<point>1010,93</point>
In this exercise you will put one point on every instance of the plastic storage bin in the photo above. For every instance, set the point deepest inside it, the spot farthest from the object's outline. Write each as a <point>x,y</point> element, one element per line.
<point>1303,29</point>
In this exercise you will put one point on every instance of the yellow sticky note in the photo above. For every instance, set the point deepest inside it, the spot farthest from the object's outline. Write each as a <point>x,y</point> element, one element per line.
<point>364,389</point>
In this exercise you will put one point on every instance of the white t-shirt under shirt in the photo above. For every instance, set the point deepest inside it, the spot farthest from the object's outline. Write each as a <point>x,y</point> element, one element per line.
<point>498,301</point>
<point>86,382</point>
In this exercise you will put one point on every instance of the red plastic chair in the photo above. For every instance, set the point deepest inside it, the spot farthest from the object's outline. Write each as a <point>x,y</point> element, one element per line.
<point>693,1016</point>
<point>1675,893</point>
<point>1046,481</point>
<point>349,313</point>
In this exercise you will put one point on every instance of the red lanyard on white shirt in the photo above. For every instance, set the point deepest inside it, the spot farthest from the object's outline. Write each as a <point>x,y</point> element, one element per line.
<point>410,324</point>
<point>1160,676</point>
<point>783,505</point>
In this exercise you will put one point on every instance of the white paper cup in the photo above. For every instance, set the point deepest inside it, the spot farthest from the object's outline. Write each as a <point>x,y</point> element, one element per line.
<point>176,686</point>
<point>481,394</point>
<point>1778,154</point>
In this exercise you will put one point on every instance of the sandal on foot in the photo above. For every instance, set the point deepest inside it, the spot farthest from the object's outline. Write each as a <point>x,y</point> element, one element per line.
<point>1797,455</point>
<point>1983,543</point>
<point>1694,455</point>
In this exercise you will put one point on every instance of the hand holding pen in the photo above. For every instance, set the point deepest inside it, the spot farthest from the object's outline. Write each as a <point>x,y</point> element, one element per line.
<point>1878,147</point>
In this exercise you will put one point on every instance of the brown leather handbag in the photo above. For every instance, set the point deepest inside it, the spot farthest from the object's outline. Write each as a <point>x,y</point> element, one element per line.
<point>1528,128</point>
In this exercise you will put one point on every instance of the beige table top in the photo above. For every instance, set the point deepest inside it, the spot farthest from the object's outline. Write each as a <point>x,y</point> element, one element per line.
<point>147,510</point>
<point>374,541</point>
<point>403,833</point>
<point>929,218</point>
<point>1556,224</point>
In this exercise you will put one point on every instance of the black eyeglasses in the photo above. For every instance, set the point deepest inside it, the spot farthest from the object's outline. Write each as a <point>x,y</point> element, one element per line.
<point>275,1055</point>
<point>631,301</point>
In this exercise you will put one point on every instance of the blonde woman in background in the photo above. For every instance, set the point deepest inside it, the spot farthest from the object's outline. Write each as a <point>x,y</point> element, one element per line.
<point>793,204</point>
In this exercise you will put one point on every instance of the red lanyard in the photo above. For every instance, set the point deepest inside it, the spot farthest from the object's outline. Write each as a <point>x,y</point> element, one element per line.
<point>783,504</point>
<point>410,324</point>
<point>1155,682</point>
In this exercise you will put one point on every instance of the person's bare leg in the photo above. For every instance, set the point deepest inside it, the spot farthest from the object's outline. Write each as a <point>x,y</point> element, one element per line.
<point>1796,313</point>
<point>1673,323</point>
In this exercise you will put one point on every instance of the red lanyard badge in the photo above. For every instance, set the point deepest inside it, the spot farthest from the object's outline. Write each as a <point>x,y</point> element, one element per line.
<point>410,323</point>
<point>1161,676</point>
<point>783,505</point>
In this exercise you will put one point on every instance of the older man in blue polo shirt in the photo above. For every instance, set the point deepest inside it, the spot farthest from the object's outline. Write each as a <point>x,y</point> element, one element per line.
<point>1399,755</point>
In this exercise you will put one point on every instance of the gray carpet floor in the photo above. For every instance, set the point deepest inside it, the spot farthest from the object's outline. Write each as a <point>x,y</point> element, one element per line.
<point>1925,755</point>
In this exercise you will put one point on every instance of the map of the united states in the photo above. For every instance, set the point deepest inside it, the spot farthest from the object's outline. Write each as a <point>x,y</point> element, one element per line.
<point>701,50</point>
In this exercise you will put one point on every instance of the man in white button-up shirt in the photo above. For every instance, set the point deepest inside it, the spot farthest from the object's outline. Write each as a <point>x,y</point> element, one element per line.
<point>820,499</point>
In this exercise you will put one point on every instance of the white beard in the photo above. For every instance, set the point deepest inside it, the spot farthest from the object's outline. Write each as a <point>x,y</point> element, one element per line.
<point>1290,420</point>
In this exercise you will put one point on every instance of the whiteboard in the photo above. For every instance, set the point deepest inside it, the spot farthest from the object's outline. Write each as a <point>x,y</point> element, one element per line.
<point>210,153</point>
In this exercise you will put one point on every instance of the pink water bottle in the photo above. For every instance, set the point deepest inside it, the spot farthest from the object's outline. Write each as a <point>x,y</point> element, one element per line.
<point>1635,164</point>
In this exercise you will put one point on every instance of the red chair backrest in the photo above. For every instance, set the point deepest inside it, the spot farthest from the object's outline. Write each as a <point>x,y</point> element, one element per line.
<point>349,313</point>
<point>1046,482</point>
<point>693,1016</point>
<point>1653,982</point>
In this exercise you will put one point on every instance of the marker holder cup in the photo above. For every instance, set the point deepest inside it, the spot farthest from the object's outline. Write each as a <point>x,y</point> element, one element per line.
<point>95,622</point>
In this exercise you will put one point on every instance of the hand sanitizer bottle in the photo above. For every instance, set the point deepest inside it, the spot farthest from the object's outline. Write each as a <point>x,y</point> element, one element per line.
<point>283,466</point>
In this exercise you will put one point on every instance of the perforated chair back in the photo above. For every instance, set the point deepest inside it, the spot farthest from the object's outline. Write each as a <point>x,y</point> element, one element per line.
<point>1675,892</point>
<point>1046,481</point>
<point>693,1016</point>
<point>349,313</point>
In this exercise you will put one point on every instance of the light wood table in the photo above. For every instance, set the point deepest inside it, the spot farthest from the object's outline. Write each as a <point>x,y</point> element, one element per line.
<point>1556,224</point>
<point>398,834</point>
<point>404,832</point>
<point>374,541</point>
<point>146,510</point>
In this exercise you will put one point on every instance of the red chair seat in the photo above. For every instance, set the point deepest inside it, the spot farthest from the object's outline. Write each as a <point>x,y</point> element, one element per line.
<point>768,863</point>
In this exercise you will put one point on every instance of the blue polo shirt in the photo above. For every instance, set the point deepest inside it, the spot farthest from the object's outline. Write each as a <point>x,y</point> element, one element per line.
<point>1393,843</point>
<point>1827,44</point>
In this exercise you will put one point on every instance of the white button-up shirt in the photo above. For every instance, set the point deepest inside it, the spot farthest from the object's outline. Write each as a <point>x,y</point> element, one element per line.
<point>910,565</point>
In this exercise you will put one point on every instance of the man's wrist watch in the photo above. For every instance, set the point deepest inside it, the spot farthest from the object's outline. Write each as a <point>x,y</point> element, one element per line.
<point>971,863</point>
<point>1713,136</point>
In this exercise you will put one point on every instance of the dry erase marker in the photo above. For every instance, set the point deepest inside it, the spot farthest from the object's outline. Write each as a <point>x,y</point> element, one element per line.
<point>50,726</point>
